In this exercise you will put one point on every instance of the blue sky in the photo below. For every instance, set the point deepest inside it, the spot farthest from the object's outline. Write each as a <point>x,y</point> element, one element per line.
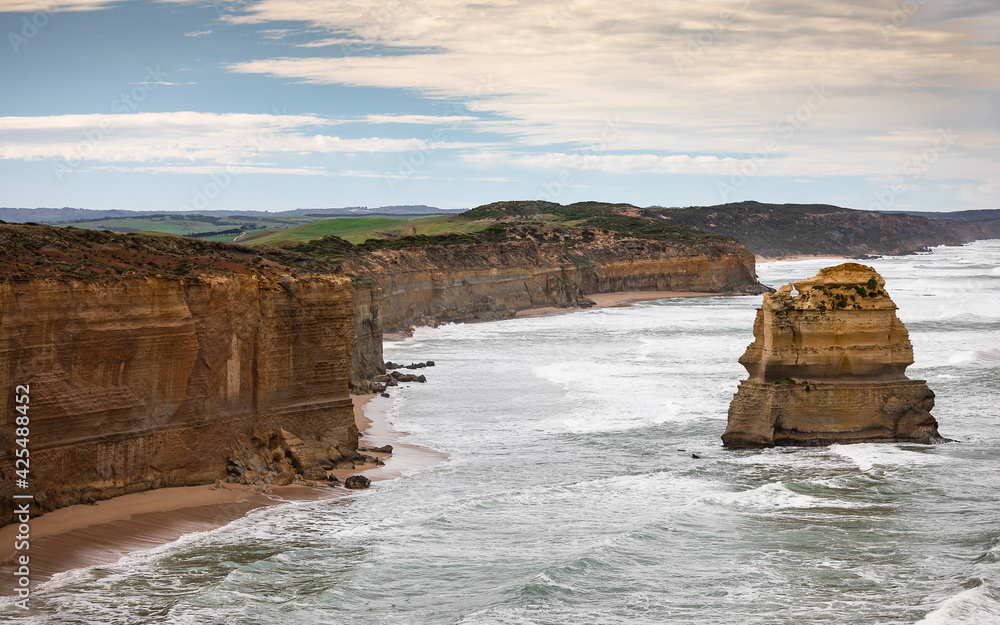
<point>281,104</point>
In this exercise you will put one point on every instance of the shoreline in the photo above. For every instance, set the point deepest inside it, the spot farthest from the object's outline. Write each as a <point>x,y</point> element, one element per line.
<point>792,257</point>
<point>620,299</point>
<point>83,536</point>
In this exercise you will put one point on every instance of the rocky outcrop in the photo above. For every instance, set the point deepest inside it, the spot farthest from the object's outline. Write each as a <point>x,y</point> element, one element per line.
<point>827,366</point>
<point>148,381</point>
<point>467,282</point>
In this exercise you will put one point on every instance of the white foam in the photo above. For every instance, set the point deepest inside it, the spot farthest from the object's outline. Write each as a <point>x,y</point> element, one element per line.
<point>960,357</point>
<point>974,606</point>
<point>988,355</point>
<point>869,455</point>
<point>775,496</point>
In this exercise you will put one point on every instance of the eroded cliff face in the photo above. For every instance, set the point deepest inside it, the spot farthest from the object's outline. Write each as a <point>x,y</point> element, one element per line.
<point>154,381</point>
<point>827,366</point>
<point>433,284</point>
<point>366,354</point>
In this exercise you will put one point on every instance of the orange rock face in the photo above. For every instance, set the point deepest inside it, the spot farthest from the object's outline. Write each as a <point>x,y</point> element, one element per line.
<point>434,284</point>
<point>827,366</point>
<point>154,381</point>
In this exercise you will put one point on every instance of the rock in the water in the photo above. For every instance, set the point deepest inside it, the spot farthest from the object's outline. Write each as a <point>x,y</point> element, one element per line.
<point>357,481</point>
<point>827,366</point>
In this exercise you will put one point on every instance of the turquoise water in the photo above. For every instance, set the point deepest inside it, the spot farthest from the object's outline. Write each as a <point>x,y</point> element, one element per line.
<point>571,494</point>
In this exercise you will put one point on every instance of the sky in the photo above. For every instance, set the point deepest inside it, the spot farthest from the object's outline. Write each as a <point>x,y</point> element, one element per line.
<point>282,104</point>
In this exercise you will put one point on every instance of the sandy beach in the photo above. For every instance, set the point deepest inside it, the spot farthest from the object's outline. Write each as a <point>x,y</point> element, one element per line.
<point>91,535</point>
<point>609,300</point>
<point>771,259</point>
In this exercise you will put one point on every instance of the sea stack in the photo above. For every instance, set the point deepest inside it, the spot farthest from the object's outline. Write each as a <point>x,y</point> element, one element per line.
<point>827,366</point>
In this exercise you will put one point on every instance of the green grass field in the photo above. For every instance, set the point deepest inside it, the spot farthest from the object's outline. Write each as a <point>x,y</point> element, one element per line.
<point>187,224</point>
<point>360,229</point>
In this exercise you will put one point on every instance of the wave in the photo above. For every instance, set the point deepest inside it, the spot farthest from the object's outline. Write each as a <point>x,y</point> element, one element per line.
<point>868,456</point>
<point>974,606</point>
<point>777,496</point>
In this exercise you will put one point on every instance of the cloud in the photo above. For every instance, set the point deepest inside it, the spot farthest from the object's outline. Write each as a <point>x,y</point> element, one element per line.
<point>713,77</point>
<point>441,120</point>
<point>54,6</point>
<point>233,138</point>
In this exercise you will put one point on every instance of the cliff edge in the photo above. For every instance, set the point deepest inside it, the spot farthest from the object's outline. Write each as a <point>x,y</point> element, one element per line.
<point>157,361</point>
<point>538,254</point>
<point>827,366</point>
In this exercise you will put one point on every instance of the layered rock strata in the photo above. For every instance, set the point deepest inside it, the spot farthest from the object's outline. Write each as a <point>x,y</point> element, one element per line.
<point>827,366</point>
<point>150,381</point>
<point>468,282</point>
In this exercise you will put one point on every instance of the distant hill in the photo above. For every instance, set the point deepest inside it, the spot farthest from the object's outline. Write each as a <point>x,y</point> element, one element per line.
<point>773,230</point>
<point>768,230</point>
<point>68,214</point>
<point>986,214</point>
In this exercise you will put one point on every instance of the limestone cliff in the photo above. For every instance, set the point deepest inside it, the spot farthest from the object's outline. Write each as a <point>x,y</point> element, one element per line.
<point>827,366</point>
<point>157,371</point>
<point>439,283</point>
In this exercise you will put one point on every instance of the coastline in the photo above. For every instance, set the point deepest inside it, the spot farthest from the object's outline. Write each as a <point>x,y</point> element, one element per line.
<point>612,300</point>
<point>100,534</point>
<point>772,259</point>
<point>83,536</point>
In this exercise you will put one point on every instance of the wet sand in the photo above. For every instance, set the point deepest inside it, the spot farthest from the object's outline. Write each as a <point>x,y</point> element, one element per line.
<point>771,259</point>
<point>92,535</point>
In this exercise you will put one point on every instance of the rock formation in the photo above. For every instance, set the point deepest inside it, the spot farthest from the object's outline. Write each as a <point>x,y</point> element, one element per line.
<point>827,366</point>
<point>168,366</point>
<point>436,283</point>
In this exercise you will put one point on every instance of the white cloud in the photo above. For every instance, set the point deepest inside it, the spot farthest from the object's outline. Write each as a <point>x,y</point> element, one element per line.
<point>54,6</point>
<point>233,138</point>
<point>213,169</point>
<point>442,120</point>
<point>683,78</point>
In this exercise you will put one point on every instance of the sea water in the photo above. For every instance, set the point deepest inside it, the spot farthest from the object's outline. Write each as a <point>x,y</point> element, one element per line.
<point>573,493</point>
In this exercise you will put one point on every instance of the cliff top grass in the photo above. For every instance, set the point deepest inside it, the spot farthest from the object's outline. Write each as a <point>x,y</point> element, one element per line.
<point>616,220</point>
<point>360,229</point>
<point>32,250</point>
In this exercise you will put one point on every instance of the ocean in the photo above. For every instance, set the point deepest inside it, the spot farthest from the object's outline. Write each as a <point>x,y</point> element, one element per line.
<point>573,494</point>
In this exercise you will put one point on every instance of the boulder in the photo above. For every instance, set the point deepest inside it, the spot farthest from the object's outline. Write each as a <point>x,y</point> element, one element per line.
<point>827,366</point>
<point>314,474</point>
<point>357,482</point>
<point>283,479</point>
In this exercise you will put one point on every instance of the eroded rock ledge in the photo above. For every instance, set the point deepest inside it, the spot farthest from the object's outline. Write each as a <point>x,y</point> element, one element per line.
<point>827,366</point>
